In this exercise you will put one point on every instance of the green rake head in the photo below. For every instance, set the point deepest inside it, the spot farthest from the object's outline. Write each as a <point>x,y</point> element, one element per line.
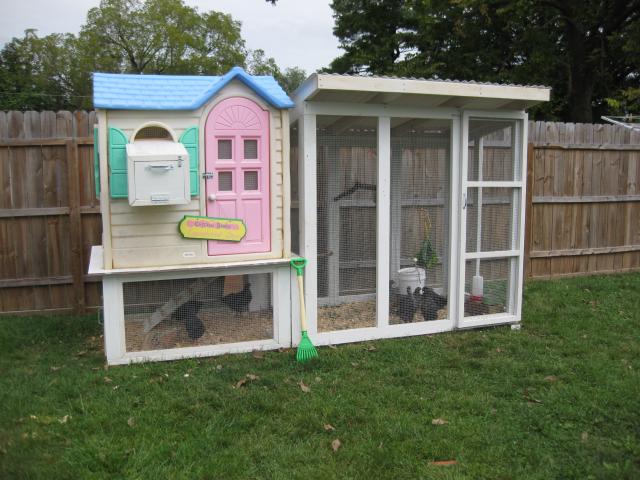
<point>306,350</point>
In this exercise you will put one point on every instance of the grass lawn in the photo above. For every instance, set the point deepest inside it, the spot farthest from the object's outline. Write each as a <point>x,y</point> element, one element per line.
<point>558,399</point>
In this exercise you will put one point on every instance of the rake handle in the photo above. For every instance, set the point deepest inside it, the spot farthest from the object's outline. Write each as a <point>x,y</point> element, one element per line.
<point>298,264</point>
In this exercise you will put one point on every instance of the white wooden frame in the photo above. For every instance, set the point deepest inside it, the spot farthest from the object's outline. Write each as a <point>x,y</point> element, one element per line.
<point>114,321</point>
<point>515,256</point>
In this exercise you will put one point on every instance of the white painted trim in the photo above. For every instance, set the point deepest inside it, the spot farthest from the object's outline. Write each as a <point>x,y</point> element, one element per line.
<point>388,331</point>
<point>194,269</point>
<point>454,220</point>
<point>523,195</point>
<point>383,224</point>
<point>307,169</point>
<point>494,184</point>
<point>485,320</point>
<point>462,198</point>
<point>349,109</point>
<point>195,352</point>
<point>114,334</point>
<point>494,254</point>
<point>281,304</point>
<point>496,114</point>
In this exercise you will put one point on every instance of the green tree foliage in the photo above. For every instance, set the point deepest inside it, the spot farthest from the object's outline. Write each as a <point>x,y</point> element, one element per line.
<point>126,36</point>
<point>586,50</point>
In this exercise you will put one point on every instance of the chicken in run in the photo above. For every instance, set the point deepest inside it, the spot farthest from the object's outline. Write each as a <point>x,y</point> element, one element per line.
<point>187,313</point>
<point>239,302</point>
<point>407,306</point>
<point>431,303</point>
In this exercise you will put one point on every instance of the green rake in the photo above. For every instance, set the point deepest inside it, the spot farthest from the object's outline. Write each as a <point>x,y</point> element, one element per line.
<point>306,350</point>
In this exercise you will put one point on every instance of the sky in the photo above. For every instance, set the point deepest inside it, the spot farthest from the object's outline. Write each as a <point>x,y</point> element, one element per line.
<point>297,33</point>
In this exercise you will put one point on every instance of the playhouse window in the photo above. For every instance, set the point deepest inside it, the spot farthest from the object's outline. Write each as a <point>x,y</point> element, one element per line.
<point>225,181</point>
<point>153,132</point>
<point>251,180</point>
<point>250,149</point>
<point>224,150</point>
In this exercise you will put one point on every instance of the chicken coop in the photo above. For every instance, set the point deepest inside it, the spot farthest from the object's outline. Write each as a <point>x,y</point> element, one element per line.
<point>193,176</point>
<point>408,200</point>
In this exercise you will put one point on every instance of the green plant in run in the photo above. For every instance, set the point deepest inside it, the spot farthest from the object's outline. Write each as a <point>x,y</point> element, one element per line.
<point>426,256</point>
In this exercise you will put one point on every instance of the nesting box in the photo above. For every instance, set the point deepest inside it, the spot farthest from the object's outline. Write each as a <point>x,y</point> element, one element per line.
<point>195,213</point>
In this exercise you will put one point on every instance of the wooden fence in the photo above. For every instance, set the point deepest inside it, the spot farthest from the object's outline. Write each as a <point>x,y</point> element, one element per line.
<point>583,206</point>
<point>49,216</point>
<point>583,199</point>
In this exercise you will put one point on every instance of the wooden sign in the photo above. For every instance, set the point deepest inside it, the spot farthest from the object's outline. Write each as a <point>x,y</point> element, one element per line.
<point>211,228</point>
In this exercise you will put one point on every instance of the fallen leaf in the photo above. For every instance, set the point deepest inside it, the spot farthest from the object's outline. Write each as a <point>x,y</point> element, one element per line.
<point>380,446</point>
<point>259,354</point>
<point>33,417</point>
<point>443,463</point>
<point>186,375</point>
<point>584,436</point>
<point>371,348</point>
<point>81,353</point>
<point>354,364</point>
<point>241,383</point>
<point>64,419</point>
<point>328,427</point>
<point>131,422</point>
<point>336,444</point>
<point>55,369</point>
<point>332,347</point>
<point>218,367</point>
<point>303,387</point>
<point>318,379</point>
<point>551,378</point>
<point>107,380</point>
<point>116,387</point>
<point>252,377</point>
<point>439,421</point>
<point>499,350</point>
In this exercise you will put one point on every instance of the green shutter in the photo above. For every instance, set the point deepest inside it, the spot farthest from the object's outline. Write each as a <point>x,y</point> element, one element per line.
<point>96,162</point>
<point>118,163</point>
<point>190,141</point>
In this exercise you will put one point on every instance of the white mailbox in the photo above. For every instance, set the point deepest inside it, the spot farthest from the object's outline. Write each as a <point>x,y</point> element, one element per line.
<point>158,173</point>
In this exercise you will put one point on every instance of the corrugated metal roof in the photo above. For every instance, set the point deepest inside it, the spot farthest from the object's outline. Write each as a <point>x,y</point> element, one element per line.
<point>177,92</point>
<point>436,79</point>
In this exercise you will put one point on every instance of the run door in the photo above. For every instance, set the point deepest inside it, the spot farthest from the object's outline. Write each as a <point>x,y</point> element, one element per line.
<point>237,172</point>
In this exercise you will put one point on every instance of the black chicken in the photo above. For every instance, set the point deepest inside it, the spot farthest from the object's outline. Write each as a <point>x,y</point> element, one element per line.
<point>188,313</point>
<point>431,303</point>
<point>407,306</point>
<point>239,302</point>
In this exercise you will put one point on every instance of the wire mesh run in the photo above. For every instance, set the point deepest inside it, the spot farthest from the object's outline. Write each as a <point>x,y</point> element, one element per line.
<point>420,178</point>
<point>487,286</point>
<point>493,150</point>
<point>492,219</point>
<point>347,166</point>
<point>165,314</point>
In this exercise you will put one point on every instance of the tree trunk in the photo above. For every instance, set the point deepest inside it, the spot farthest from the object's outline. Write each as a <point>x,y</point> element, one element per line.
<point>581,81</point>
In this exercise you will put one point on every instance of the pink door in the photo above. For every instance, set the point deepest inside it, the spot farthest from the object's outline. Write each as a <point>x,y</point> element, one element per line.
<point>237,154</point>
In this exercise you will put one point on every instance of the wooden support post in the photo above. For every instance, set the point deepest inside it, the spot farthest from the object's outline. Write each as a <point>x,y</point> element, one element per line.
<point>75,226</point>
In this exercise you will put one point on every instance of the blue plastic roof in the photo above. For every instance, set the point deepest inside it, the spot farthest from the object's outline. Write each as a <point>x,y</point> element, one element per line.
<point>177,92</point>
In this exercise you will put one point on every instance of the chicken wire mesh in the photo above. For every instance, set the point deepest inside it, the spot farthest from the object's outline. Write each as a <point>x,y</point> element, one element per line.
<point>420,178</point>
<point>494,298</point>
<point>165,314</point>
<point>346,222</point>
<point>492,219</point>
<point>493,150</point>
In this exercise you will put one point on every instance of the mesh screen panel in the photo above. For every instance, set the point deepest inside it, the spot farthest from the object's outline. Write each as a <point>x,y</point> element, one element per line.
<point>490,225</point>
<point>346,222</point>
<point>164,314</point>
<point>251,180</point>
<point>153,132</point>
<point>495,275</point>
<point>225,181</point>
<point>420,177</point>
<point>250,149</point>
<point>495,160</point>
<point>224,149</point>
